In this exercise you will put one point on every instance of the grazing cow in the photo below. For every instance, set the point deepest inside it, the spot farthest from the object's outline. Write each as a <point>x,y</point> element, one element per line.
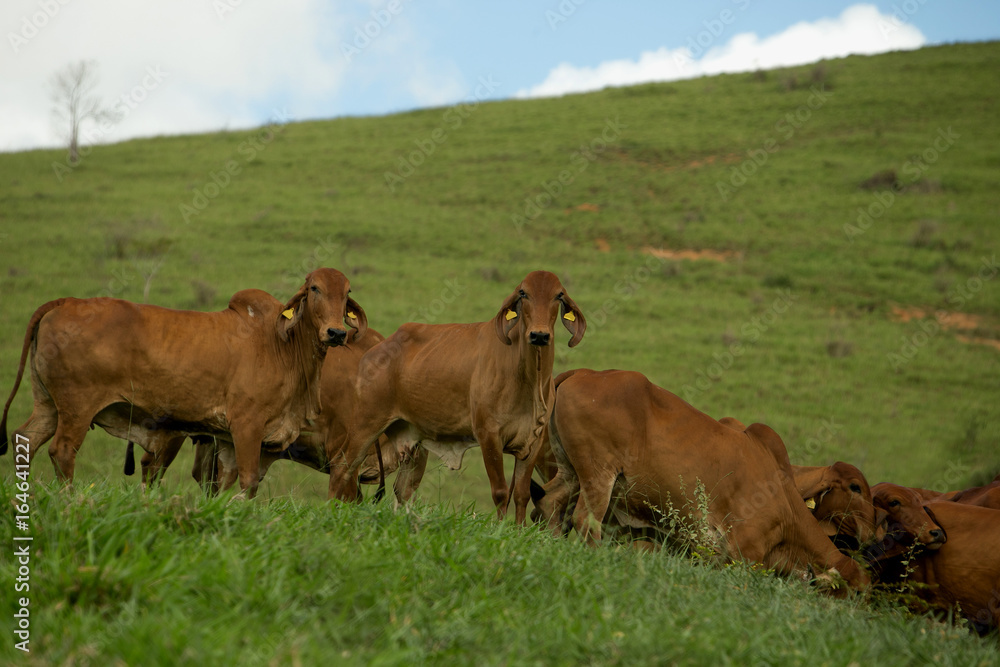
<point>841,500</point>
<point>618,437</point>
<point>838,496</point>
<point>902,509</point>
<point>250,373</point>
<point>448,387</point>
<point>963,572</point>
<point>987,495</point>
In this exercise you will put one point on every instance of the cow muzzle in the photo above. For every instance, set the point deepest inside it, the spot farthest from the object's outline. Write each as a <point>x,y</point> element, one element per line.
<point>335,337</point>
<point>539,338</point>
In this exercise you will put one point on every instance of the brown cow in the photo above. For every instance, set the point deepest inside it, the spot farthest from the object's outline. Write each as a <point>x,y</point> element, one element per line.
<point>215,464</point>
<point>618,436</point>
<point>838,495</point>
<point>448,387</point>
<point>903,508</point>
<point>841,500</point>
<point>148,374</point>
<point>962,572</point>
<point>215,468</point>
<point>987,495</point>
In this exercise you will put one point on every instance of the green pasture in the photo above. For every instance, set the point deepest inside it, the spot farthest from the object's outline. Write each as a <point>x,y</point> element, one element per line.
<point>838,200</point>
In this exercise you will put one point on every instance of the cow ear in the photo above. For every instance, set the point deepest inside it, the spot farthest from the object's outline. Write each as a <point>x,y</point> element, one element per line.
<point>507,318</point>
<point>573,319</point>
<point>291,313</point>
<point>811,483</point>
<point>356,319</point>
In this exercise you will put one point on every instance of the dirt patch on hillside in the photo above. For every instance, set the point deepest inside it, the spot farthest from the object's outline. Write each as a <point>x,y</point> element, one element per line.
<point>974,340</point>
<point>960,321</point>
<point>952,321</point>
<point>694,255</point>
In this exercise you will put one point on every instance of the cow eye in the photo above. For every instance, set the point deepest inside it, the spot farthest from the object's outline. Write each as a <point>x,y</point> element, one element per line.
<point>893,503</point>
<point>560,296</point>
<point>314,289</point>
<point>856,488</point>
<point>521,293</point>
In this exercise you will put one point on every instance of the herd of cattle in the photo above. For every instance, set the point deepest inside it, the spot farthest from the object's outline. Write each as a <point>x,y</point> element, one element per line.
<point>309,381</point>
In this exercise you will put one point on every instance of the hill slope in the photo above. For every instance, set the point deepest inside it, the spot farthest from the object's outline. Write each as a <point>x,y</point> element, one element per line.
<point>838,202</point>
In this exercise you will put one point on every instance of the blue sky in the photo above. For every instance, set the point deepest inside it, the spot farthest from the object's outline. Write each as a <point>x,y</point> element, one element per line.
<point>204,65</point>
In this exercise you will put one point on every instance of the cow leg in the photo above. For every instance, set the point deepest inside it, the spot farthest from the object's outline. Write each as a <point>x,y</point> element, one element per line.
<point>345,461</point>
<point>489,443</point>
<point>207,467</point>
<point>39,428</point>
<point>69,435</point>
<point>592,505</point>
<point>247,440</point>
<point>520,486</point>
<point>409,476</point>
<point>155,463</point>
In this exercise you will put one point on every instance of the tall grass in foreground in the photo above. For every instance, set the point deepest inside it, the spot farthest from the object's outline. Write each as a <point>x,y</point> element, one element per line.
<point>166,579</point>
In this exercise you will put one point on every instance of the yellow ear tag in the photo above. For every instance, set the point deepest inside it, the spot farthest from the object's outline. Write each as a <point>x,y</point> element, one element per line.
<point>510,315</point>
<point>352,315</point>
<point>288,313</point>
<point>811,503</point>
<point>569,316</point>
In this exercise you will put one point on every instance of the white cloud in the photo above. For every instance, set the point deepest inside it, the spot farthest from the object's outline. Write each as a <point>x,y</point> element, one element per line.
<point>219,63</point>
<point>860,29</point>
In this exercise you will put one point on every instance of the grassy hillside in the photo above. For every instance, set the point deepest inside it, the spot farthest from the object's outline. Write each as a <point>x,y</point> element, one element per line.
<point>844,216</point>
<point>839,198</point>
<point>119,578</point>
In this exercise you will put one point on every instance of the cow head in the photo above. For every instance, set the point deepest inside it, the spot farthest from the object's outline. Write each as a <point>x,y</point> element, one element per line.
<point>322,305</point>
<point>905,513</point>
<point>840,499</point>
<point>535,305</point>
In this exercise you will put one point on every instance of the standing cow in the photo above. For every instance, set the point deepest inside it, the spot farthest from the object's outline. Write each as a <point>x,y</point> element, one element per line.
<point>447,387</point>
<point>250,373</point>
<point>617,437</point>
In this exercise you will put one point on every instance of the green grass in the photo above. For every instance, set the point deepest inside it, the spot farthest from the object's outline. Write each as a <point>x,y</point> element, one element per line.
<point>173,579</point>
<point>794,330</point>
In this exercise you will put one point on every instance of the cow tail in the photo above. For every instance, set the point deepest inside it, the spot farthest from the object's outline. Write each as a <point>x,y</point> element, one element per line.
<point>130,458</point>
<point>380,493</point>
<point>29,335</point>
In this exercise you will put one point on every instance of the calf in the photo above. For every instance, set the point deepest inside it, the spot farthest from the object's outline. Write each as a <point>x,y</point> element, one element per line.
<point>962,573</point>
<point>617,436</point>
<point>250,373</point>
<point>448,387</point>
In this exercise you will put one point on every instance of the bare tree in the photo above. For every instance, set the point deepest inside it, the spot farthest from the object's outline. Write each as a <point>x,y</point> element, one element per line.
<point>75,103</point>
